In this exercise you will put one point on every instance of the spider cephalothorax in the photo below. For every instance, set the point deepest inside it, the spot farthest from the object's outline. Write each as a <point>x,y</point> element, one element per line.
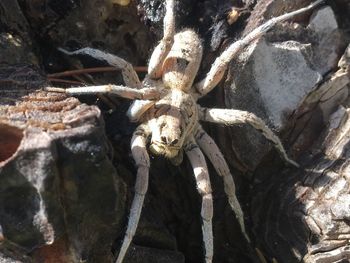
<point>172,120</point>
<point>165,105</point>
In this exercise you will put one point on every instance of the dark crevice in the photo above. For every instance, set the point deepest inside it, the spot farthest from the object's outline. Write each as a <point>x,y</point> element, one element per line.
<point>10,139</point>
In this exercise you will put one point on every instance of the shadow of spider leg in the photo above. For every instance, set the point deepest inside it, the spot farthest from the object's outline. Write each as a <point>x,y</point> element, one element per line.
<point>130,77</point>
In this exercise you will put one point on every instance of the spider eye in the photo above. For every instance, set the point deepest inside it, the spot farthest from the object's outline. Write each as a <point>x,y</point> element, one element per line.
<point>162,125</point>
<point>175,141</point>
<point>182,63</point>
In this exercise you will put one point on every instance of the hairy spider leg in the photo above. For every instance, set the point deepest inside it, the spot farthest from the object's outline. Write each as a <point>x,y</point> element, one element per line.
<point>220,64</point>
<point>141,157</point>
<point>201,175</point>
<point>212,151</point>
<point>125,92</point>
<point>162,49</point>
<point>232,116</point>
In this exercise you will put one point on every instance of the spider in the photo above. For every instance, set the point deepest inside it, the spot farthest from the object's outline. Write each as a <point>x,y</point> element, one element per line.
<point>165,105</point>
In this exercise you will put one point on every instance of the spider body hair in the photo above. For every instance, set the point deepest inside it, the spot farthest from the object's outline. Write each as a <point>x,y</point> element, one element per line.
<point>165,105</point>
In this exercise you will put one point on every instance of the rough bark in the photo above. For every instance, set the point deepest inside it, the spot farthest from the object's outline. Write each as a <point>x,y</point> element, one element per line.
<point>304,213</point>
<point>59,192</point>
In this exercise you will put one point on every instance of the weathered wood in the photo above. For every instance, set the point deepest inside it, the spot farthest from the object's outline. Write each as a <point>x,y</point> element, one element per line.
<point>303,215</point>
<point>58,189</point>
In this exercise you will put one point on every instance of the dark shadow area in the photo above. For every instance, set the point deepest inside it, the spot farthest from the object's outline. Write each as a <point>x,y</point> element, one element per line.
<point>10,139</point>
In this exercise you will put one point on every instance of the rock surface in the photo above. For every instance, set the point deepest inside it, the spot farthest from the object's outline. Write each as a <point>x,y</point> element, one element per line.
<point>273,75</point>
